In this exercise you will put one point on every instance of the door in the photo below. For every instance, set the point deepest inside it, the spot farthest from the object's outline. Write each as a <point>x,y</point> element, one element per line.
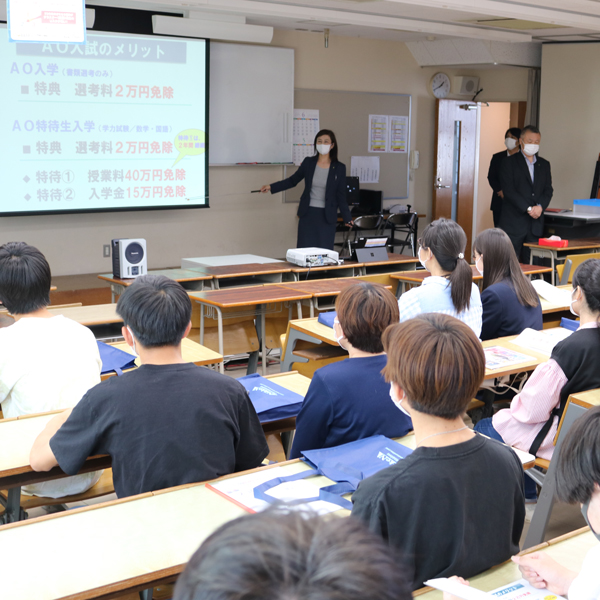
<point>456,159</point>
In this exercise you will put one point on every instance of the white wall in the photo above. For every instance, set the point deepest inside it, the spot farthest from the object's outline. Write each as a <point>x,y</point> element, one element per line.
<point>494,121</point>
<point>237,221</point>
<point>570,118</point>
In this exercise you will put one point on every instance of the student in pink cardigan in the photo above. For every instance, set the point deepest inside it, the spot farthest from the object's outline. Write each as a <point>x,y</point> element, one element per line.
<point>531,422</point>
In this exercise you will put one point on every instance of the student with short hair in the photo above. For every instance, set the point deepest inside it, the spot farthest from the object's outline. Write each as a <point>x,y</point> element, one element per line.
<point>47,362</point>
<point>510,303</point>
<point>350,400</point>
<point>455,505</point>
<point>165,423</point>
<point>450,289</point>
<point>531,422</point>
<point>577,482</point>
<point>276,555</point>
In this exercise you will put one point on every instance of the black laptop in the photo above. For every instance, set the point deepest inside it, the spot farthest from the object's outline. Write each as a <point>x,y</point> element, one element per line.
<point>369,249</point>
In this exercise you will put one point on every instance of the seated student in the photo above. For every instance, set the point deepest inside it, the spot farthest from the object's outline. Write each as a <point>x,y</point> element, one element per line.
<point>277,556</point>
<point>531,421</point>
<point>47,362</point>
<point>577,481</point>
<point>450,289</point>
<point>166,423</point>
<point>350,400</point>
<point>455,505</point>
<point>510,302</point>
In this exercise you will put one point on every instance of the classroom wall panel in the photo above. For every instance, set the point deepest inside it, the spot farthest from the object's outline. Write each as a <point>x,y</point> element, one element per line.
<point>239,222</point>
<point>569,118</point>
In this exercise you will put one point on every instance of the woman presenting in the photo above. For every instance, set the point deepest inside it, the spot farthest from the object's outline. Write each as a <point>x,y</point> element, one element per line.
<point>324,193</point>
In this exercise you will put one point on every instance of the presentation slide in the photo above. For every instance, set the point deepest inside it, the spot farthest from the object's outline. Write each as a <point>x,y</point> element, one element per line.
<point>116,124</point>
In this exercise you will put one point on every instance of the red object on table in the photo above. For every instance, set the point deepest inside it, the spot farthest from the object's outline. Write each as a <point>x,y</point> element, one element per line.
<point>553,243</point>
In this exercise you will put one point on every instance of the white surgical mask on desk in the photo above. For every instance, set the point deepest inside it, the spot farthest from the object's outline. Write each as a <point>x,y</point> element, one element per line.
<point>531,149</point>
<point>510,143</point>
<point>323,148</point>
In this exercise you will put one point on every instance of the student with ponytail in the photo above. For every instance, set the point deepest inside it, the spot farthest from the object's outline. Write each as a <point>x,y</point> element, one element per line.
<point>450,289</point>
<point>510,302</point>
<point>531,422</point>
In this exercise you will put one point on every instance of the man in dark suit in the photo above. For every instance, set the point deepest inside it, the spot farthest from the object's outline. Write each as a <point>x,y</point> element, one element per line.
<point>527,187</point>
<point>511,141</point>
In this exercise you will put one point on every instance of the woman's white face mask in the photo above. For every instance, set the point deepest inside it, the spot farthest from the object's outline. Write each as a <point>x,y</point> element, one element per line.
<point>478,262</point>
<point>423,262</point>
<point>573,300</point>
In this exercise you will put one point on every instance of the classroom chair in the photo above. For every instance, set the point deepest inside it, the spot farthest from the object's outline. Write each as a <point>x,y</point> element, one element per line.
<point>364,223</point>
<point>402,223</point>
<point>572,261</point>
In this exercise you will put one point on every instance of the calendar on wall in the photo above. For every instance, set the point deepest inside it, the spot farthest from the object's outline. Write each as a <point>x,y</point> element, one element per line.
<point>306,127</point>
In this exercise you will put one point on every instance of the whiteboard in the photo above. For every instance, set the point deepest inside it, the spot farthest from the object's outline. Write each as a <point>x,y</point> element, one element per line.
<point>251,104</point>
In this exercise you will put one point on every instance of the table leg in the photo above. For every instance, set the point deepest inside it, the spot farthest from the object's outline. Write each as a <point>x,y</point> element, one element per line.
<point>252,362</point>
<point>263,343</point>
<point>201,323</point>
<point>220,330</point>
<point>289,358</point>
<point>13,506</point>
<point>299,308</point>
<point>312,308</point>
<point>543,510</point>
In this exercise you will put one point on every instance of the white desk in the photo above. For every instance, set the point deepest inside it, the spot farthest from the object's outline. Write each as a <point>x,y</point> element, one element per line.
<point>225,261</point>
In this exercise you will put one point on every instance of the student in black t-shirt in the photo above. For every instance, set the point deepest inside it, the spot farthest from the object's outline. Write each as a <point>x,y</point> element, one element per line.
<point>455,506</point>
<point>164,424</point>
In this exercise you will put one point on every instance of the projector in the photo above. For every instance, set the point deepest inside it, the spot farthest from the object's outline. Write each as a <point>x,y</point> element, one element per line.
<point>312,257</point>
<point>129,258</point>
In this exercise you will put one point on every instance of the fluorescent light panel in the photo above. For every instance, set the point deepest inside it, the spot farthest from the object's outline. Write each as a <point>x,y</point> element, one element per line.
<point>216,30</point>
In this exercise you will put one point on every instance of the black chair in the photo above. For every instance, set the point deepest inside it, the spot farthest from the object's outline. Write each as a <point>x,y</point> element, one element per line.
<point>364,223</point>
<point>405,224</point>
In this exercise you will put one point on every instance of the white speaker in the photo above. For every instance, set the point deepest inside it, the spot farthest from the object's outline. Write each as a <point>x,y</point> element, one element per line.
<point>465,86</point>
<point>129,258</point>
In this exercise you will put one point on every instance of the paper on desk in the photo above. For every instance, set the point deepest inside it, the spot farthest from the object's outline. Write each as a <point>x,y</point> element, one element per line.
<point>457,589</point>
<point>498,357</point>
<point>516,590</point>
<point>241,491</point>
<point>542,341</point>
<point>551,293</point>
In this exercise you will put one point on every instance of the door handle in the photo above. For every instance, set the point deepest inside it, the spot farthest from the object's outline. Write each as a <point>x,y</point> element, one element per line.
<point>441,187</point>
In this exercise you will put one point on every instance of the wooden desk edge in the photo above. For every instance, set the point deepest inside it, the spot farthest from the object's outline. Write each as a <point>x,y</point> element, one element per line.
<point>552,542</point>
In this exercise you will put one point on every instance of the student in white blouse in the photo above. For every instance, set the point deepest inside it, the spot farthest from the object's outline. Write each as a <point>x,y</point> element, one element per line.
<point>46,362</point>
<point>578,481</point>
<point>450,289</point>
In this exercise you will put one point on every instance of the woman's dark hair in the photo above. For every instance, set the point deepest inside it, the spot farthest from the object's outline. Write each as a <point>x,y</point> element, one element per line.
<point>292,555</point>
<point>364,311</point>
<point>157,309</point>
<point>587,277</point>
<point>333,153</point>
<point>500,263</point>
<point>578,466</point>
<point>447,240</point>
<point>437,360</point>
<point>25,278</point>
<point>514,131</point>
